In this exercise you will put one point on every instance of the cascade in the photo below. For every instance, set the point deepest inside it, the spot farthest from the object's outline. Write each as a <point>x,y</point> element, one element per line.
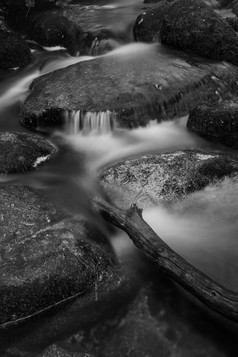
<point>77,121</point>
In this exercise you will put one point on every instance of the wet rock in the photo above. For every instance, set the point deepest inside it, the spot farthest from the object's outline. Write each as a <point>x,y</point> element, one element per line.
<point>148,24</point>
<point>58,273</point>
<point>164,322</point>
<point>14,51</point>
<point>131,86</point>
<point>55,351</point>
<point>99,42</point>
<point>54,29</point>
<point>233,22</point>
<point>20,152</point>
<point>216,122</point>
<point>190,25</point>
<point>152,179</point>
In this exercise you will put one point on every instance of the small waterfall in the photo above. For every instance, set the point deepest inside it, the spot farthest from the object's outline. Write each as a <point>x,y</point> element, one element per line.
<point>89,122</point>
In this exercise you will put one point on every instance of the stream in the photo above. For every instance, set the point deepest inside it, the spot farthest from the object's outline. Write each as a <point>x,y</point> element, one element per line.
<point>202,228</point>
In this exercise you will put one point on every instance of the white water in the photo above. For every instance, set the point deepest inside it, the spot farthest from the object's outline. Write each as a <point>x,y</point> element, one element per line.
<point>202,228</point>
<point>107,148</point>
<point>93,123</point>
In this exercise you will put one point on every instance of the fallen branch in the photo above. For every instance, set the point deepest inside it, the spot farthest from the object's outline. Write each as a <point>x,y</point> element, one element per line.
<point>215,296</point>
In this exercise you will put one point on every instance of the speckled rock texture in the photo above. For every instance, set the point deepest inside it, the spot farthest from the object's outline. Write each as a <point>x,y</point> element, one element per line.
<point>52,28</point>
<point>218,123</point>
<point>148,24</point>
<point>14,51</point>
<point>133,85</point>
<point>20,152</point>
<point>152,179</point>
<point>190,25</point>
<point>55,351</point>
<point>57,272</point>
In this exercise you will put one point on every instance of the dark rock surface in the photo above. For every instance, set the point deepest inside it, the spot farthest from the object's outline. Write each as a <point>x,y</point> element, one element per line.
<point>14,51</point>
<point>148,24</point>
<point>134,84</point>
<point>218,123</point>
<point>20,152</point>
<point>52,28</point>
<point>54,271</point>
<point>233,22</point>
<point>18,12</point>
<point>190,25</point>
<point>152,179</point>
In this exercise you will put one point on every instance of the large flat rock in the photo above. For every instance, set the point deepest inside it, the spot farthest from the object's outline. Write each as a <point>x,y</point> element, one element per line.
<point>50,264</point>
<point>133,85</point>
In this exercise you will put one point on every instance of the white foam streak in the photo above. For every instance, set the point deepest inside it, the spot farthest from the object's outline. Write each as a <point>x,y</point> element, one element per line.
<point>17,91</point>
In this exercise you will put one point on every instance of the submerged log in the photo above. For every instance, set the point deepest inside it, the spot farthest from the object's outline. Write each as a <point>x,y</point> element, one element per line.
<point>213,295</point>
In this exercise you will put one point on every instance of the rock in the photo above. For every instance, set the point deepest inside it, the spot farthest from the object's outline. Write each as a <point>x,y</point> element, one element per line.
<point>100,42</point>
<point>148,24</point>
<point>20,152</point>
<point>18,12</point>
<point>131,85</point>
<point>163,322</point>
<point>52,28</point>
<point>152,179</point>
<point>190,25</point>
<point>14,51</point>
<point>193,26</point>
<point>58,273</point>
<point>217,123</point>
<point>55,351</point>
<point>233,22</point>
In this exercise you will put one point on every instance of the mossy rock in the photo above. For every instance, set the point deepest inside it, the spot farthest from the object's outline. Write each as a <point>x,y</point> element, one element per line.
<point>21,152</point>
<point>218,123</point>
<point>190,25</point>
<point>152,179</point>
<point>52,28</point>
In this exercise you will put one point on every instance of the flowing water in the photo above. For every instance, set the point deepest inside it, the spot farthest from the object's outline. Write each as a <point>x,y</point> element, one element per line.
<point>202,227</point>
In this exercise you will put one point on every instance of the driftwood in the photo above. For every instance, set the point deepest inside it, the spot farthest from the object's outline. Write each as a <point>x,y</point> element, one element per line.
<point>215,296</point>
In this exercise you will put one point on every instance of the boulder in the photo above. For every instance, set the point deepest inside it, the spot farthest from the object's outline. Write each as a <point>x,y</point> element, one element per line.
<point>132,85</point>
<point>58,272</point>
<point>190,25</point>
<point>153,179</point>
<point>193,26</point>
<point>148,24</point>
<point>14,51</point>
<point>218,123</point>
<point>52,28</point>
<point>20,152</point>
